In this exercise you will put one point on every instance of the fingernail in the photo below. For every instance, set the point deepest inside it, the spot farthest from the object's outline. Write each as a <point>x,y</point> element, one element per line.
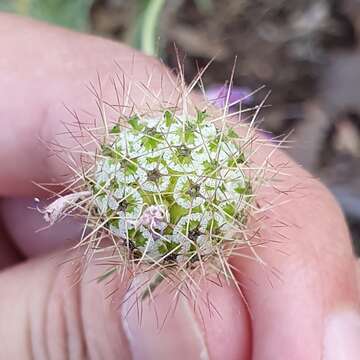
<point>342,336</point>
<point>163,328</point>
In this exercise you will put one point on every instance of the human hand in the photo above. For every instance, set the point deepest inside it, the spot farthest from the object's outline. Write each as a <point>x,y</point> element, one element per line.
<point>310,312</point>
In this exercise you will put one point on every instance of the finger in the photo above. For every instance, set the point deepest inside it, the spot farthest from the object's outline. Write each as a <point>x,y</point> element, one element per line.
<point>28,229</point>
<point>309,248</point>
<point>32,111</point>
<point>51,69</point>
<point>45,313</point>
<point>9,254</point>
<point>221,326</point>
<point>49,311</point>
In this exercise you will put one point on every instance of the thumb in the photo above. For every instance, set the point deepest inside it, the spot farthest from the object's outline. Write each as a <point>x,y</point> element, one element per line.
<point>47,313</point>
<point>50,310</point>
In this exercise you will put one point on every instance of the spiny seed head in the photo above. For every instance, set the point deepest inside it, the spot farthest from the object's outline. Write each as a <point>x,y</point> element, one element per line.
<point>165,191</point>
<point>171,186</point>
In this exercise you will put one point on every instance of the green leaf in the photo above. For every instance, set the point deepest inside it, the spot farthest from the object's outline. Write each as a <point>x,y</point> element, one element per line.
<point>130,204</point>
<point>139,239</point>
<point>135,123</point>
<point>176,212</point>
<point>129,166</point>
<point>193,224</point>
<point>186,135</point>
<point>108,151</point>
<point>244,189</point>
<point>150,142</point>
<point>114,222</point>
<point>211,166</point>
<point>114,184</point>
<point>201,116</point>
<point>115,129</point>
<point>169,118</point>
<point>229,209</point>
<point>168,246</point>
<point>189,137</point>
<point>212,226</point>
<point>72,14</point>
<point>213,145</point>
<point>232,134</point>
<point>234,161</point>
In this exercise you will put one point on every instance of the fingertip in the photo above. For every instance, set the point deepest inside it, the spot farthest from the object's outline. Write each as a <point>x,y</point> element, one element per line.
<point>307,274</point>
<point>226,320</point>
<point>207,323</point>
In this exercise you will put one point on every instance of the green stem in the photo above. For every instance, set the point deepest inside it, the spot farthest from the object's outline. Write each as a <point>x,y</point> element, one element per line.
<point>148,33</point>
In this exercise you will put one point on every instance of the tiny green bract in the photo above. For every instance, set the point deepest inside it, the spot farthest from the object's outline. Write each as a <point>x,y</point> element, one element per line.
<point>171,187</point>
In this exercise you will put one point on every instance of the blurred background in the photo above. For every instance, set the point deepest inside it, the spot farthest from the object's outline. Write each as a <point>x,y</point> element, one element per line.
<point>306,51</point>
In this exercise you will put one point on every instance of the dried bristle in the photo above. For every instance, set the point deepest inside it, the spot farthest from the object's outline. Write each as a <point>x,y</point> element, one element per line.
<point>171,185</point>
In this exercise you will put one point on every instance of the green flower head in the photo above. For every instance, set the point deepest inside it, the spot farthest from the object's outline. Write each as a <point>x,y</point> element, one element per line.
<point>172,187</point>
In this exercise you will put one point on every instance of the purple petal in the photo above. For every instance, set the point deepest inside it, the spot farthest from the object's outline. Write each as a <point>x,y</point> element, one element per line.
<point>217,95</point>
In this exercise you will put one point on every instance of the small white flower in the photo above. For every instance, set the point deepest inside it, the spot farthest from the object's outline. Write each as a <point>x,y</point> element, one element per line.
<point>128,143</point>
<point>187,192</point>
<point>212,189</point>
<point>151,122</point>
<point>190,222</point>
<point>179,159</point>
<point>120,227</point>
<point>129,201</point>
<point>156,180</point>
<point>208,131</point>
